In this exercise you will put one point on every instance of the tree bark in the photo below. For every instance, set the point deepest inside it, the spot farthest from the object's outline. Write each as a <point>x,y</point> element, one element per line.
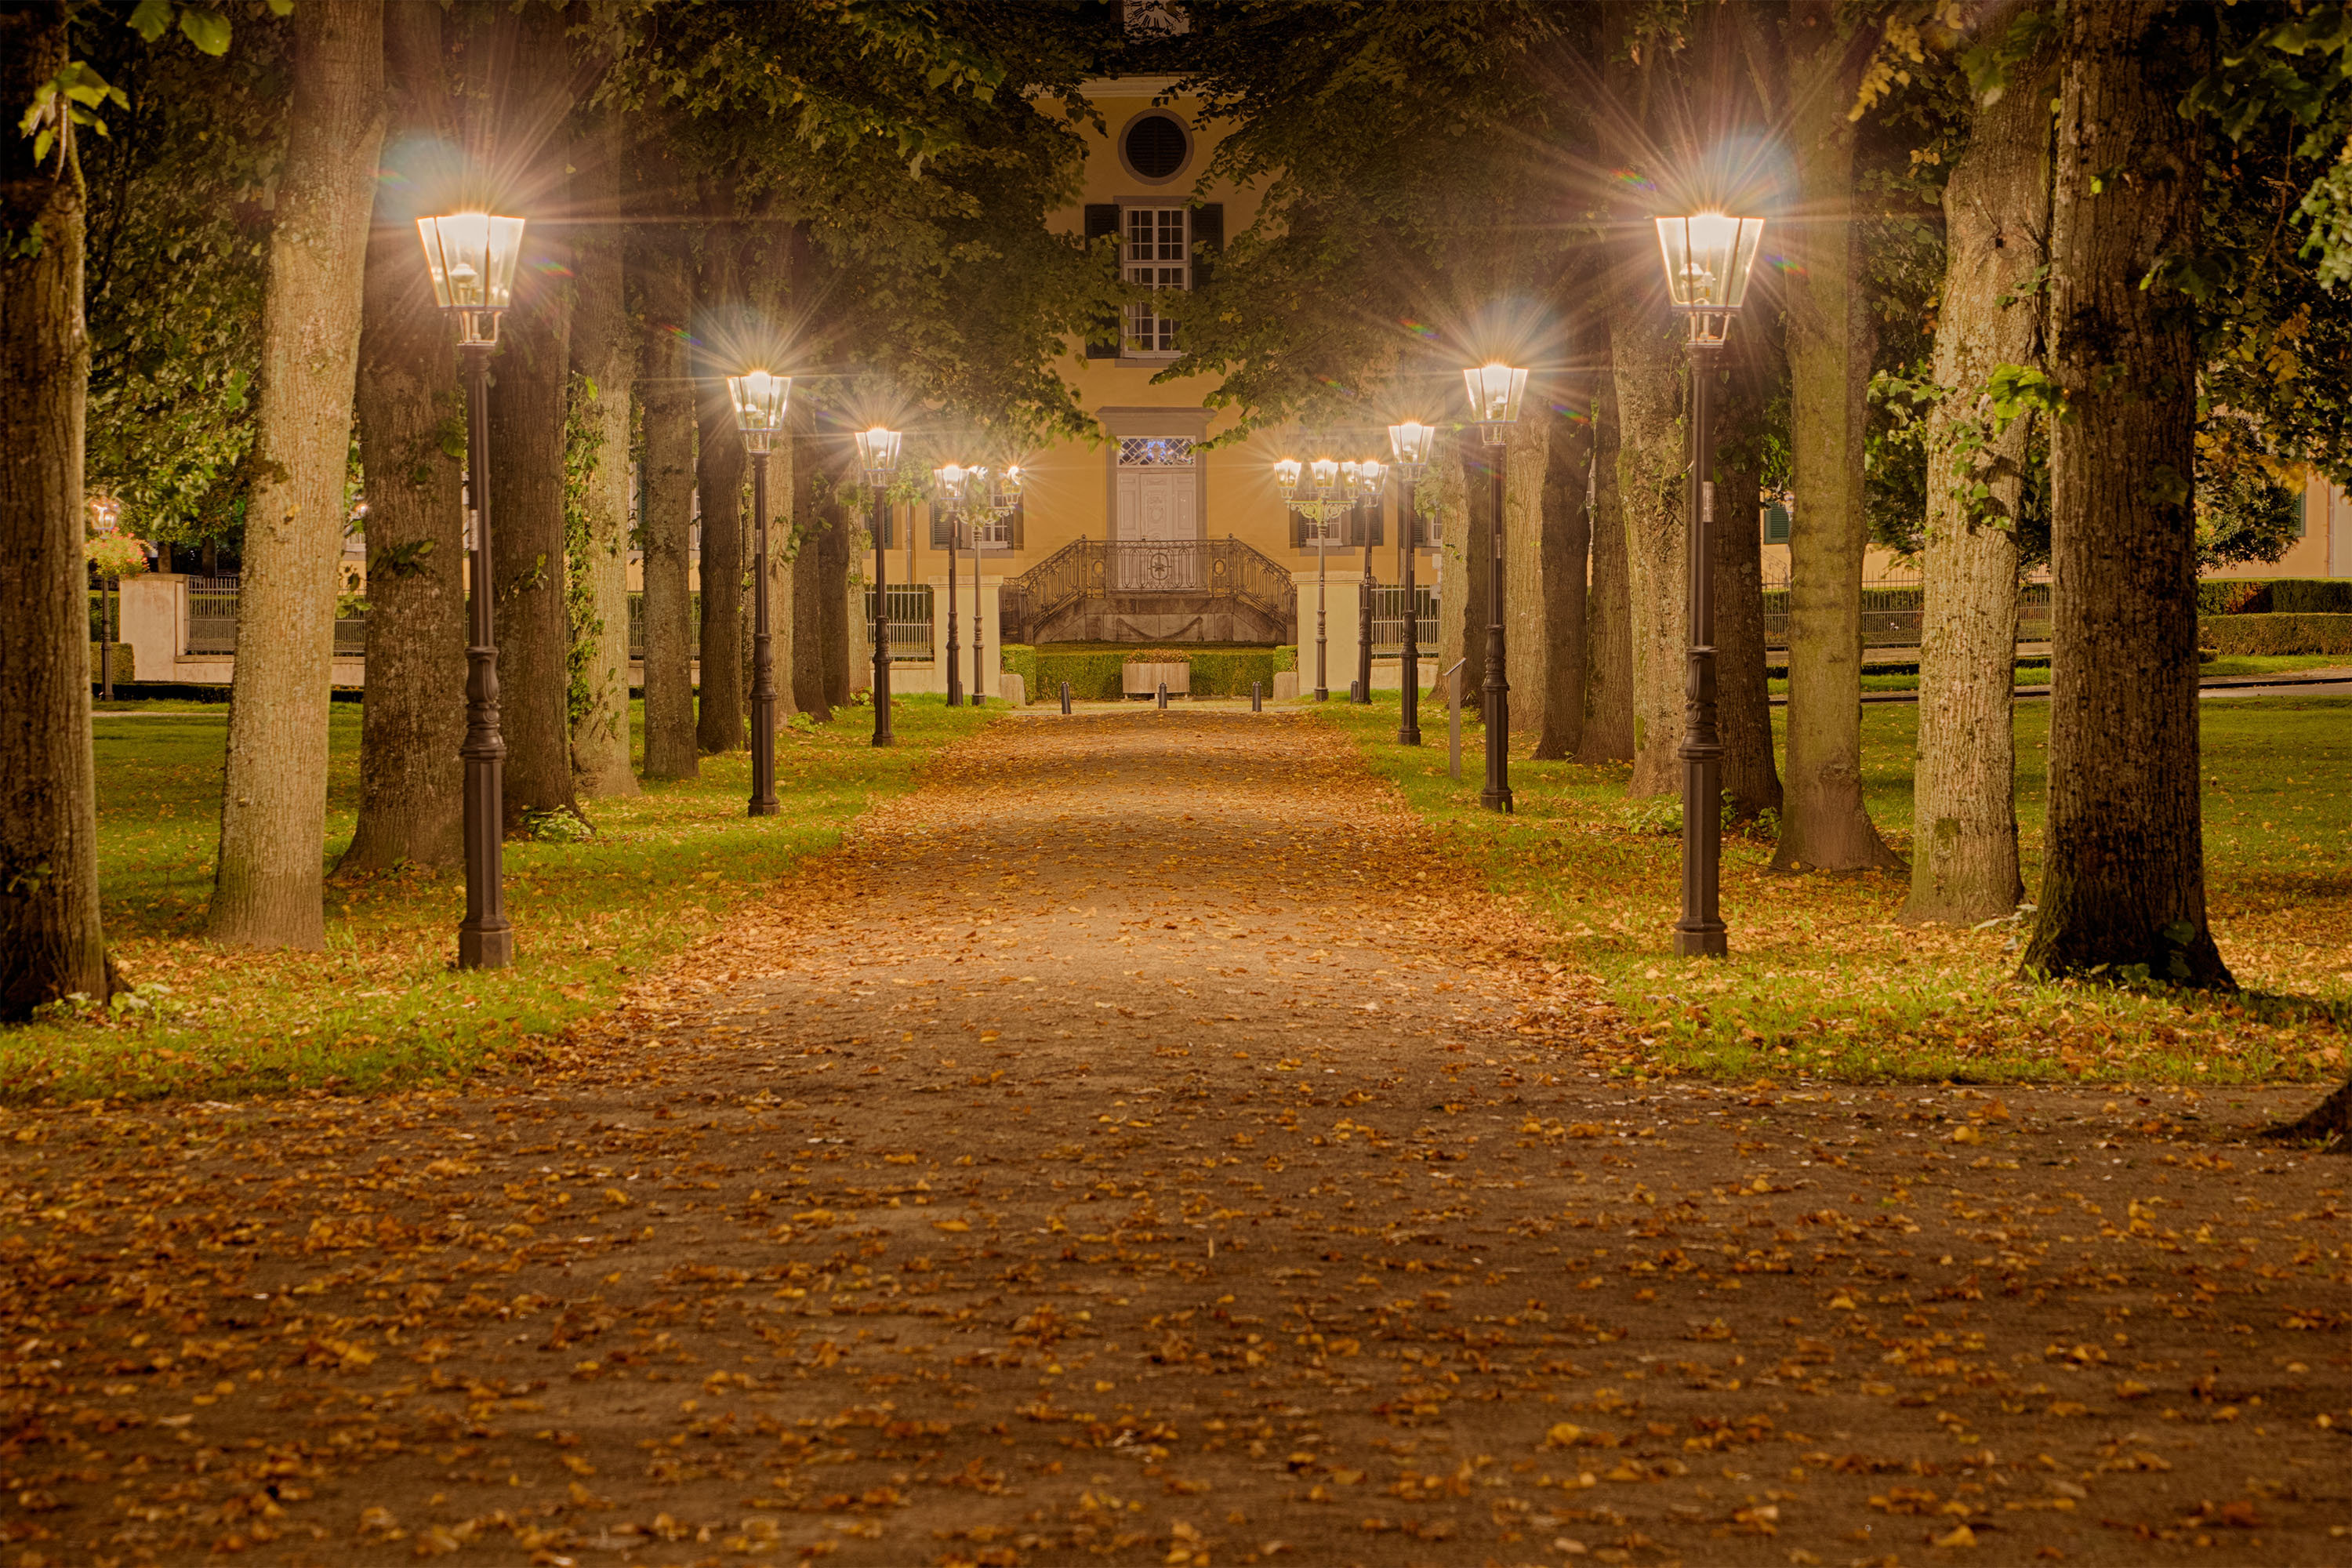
<point>1647,367</point>
<point>665,392</point>
<point>51,943</point>
<point>1529,657</point>
<point>529,400</point>
<point>412,424</point>
<point>1996,226</point>
<point>833,591</point>
<point>1743,696</point>
<point>2124,870</point>
<point>1823,825</point>
<point>802,534</point>
<point>1567,552</point>
<point>1460,489</point>
<point>603,356</point>
<point>1608,734</point>
<point>269,883</point>
<point>718,481</point>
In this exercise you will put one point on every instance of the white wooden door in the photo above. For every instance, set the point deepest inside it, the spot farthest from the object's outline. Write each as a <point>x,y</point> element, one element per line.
<point>1157,528</point>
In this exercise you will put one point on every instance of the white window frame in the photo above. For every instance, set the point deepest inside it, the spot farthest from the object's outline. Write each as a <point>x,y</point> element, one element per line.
<point>1146,227</point>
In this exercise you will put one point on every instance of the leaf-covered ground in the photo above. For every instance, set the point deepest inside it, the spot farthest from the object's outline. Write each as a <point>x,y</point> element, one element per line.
<point>1141,1145</point>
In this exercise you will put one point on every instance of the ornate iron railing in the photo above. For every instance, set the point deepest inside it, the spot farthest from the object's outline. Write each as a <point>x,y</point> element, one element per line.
<point>212,621</point>
<point>637,622</point>
<point>1098,568</point>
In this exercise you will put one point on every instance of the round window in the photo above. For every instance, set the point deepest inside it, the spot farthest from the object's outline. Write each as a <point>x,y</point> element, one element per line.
<point>1156,146</point>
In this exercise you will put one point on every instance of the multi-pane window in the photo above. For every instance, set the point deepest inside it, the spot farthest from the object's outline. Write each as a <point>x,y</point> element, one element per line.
<point>1157,258</point>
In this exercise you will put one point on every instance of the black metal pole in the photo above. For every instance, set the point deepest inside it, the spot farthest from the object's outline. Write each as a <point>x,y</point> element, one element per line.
<point>955,679</point>
<point>1496,795</point>
<point>882,736</point>
<point>763,653</point>
<point>1409,720</point>
<point>1699,933</point>
<point>1065,696</point>
<point>485,938</point>
<point>1322,612</point>
<point>1364,612</point>
<point>979,688</point>
<point>107,589</point>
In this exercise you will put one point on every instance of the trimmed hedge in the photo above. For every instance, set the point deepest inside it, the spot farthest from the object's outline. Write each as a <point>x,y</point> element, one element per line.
<point>1093,670</point>
<point>2276,596</point>
<point>1021,660</point>
<point>2275,633</point>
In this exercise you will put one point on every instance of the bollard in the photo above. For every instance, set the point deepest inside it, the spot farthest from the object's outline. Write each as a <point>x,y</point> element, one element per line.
<point>1163,697</point>
<point>1065,696</point>
<point>1454,723</point>
<point>1255,707</point>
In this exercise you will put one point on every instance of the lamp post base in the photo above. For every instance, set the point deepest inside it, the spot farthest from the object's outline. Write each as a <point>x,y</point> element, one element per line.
<point>1706,940</point>
<point>485,949</point>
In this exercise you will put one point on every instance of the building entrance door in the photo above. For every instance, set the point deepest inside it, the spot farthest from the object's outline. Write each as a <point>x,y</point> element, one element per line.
<point>1158,545</point>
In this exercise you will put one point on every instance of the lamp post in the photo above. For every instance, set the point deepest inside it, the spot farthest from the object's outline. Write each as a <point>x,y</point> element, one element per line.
<point>760,399</point>
<point>1410,445</point>
<point>1369,474</point>
<point>947,491</point>
<point>1494,392</point>
<point>1708,258</point>
<point>471,257</point>
<point>878,462</point>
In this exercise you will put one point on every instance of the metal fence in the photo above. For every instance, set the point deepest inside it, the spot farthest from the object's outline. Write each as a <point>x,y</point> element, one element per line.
<point>1894,610</point>
<point>911,621</point>
<point>637,622</point>
<point>1388,618</point>
<point>212,621</point>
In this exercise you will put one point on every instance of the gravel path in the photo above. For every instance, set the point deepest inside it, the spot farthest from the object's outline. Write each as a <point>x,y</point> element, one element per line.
<point>1134,1147</point>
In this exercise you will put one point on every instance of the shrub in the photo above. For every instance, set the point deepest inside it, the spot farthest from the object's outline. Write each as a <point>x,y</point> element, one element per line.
<point>1093,670</point>
<point>2277,634</point>
<point>2276,596</point>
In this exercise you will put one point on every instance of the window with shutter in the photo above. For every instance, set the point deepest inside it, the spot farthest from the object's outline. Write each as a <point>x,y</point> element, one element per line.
<point>1208,240</point>
<point>1775,524</point>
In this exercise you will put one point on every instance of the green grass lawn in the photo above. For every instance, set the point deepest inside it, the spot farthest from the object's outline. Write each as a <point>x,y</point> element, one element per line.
<point>1823,979</point>
<point>383,1004</point>
<point>2037,672</point>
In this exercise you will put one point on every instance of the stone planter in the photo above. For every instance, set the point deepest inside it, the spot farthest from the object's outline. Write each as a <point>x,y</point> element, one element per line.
<point>1144,679</point>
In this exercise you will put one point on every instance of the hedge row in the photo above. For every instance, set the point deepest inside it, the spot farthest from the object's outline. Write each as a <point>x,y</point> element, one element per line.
<point>1094,669</point>
<point>2276,596</point>
<point>2275,633</point>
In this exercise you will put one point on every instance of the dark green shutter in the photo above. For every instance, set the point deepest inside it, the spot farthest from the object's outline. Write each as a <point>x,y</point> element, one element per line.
<point>1208,240</point>
<point>1102,218</point>
<point>1775,524</point>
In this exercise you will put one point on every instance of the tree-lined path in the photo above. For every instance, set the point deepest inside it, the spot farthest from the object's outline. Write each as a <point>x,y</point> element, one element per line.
<point>1135,1145</point>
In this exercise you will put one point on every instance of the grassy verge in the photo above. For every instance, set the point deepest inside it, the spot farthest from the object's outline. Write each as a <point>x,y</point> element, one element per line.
<point>2036,671</point>
<point>383,1005</point>
<point>1823,981</point>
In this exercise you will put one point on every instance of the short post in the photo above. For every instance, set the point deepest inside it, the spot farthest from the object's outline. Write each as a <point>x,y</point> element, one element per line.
<point>1256,706</point>
<point>1065,696</point>
<point>1163,697</point>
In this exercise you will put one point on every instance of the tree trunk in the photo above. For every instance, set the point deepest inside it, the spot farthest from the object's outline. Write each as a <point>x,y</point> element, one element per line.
<point>1823,825</point>
<point>801,535</point>
<point>1648,369</point>
<point>51,943</point>
<point>529,401</point>
<point>1996,224</point>
<point>1567,563</point>
<point>604,354</point>
<point>718,480</point>
<point>834,601</point>
<point>1743,699</point>
<point>665,392</point>
<point>270,883</point>
<point>1608,734</point>
<point>1529,657</point>
<point>412,416</point>
<point>2123,869</point>
<point>1459,479</point>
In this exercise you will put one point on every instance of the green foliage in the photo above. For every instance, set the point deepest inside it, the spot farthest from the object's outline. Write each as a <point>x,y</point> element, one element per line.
<point>583,443</point>
<point>178,244</point>
<point>1094,669</point>
<point>2277,634</point>
<point>1021,660</point>
<point>2243,515</point>
<point>63,102</point>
